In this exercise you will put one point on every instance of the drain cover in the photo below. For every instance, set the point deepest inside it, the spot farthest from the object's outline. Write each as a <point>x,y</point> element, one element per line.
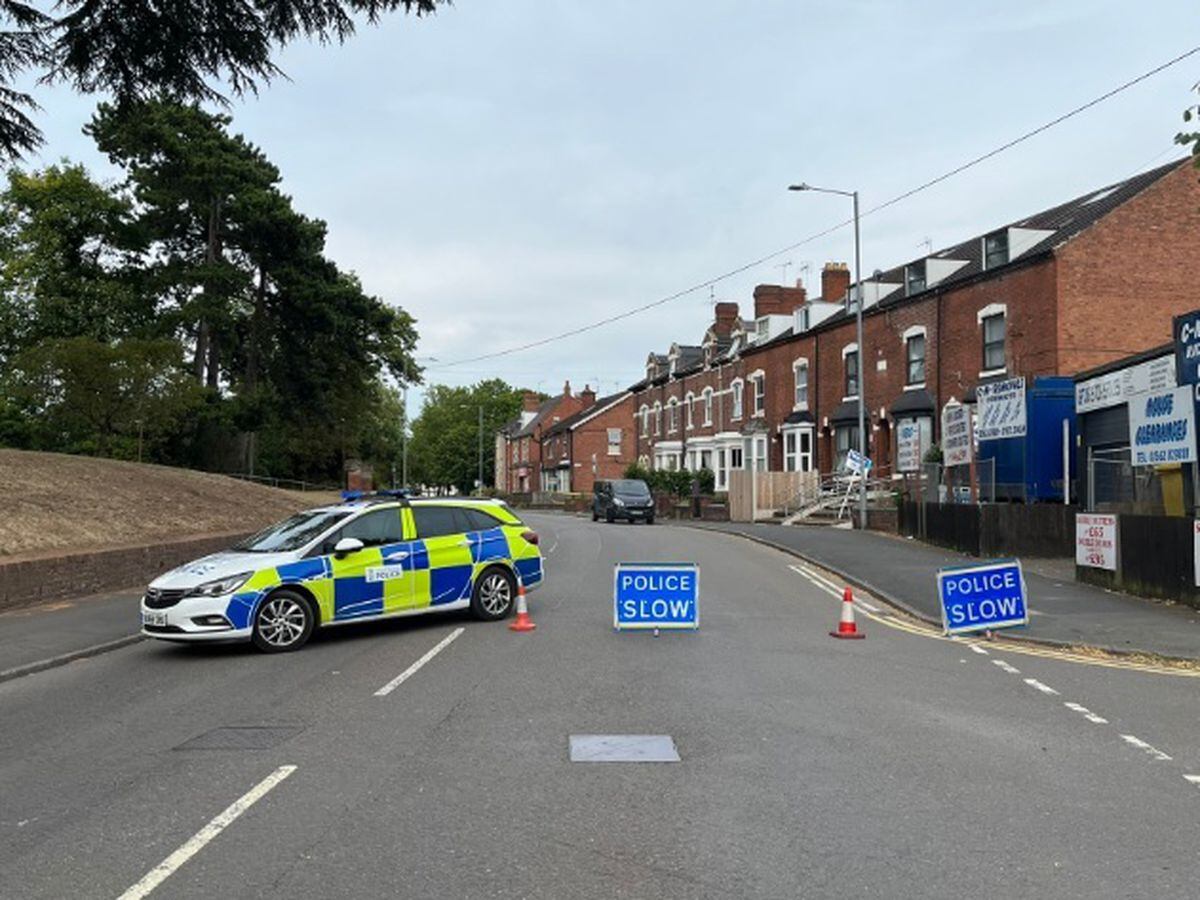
<point>623,748</point>
<point>242,737</point>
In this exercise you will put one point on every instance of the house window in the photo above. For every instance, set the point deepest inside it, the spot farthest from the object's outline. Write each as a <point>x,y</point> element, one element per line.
<point>737,399</point>
<point>614,442</point>
<point>993,342</point>
<point>763,329</point>
<point>689,403</point>
<point>797,450</point>
<point>851,364</point>
<point>914,277</point>
<point>800,371</point>
<point>708,394</point>
<point>995,250</point>
<point>915,354</point>
<point>760,393</point>
<point>657,419</point>
<point>672,415</point>
<point>735,457</point>
<point>645,420</point>
<point>845,438</point>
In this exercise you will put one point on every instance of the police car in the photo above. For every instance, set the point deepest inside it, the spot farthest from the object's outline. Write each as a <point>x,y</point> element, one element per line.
<point>369,557</point>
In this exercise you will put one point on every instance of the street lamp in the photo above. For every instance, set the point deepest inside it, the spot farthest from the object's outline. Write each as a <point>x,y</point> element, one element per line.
<point>858,320</point>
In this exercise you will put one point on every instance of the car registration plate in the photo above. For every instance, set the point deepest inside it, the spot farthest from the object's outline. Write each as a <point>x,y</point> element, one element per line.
<point>154,618</point>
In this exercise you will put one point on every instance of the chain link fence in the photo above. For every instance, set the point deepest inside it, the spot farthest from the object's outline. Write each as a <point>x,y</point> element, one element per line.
<point>1115,485</point>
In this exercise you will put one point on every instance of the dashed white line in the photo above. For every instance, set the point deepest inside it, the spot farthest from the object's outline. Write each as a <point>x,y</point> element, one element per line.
<point>1044,688</point>
<point>1142,745</point>
<point>1006,666</point>
<point>1193,779</point>
<point>415,667</point>
<point>978,649</point>
<point>196,843</point>
<point>1086,713</point>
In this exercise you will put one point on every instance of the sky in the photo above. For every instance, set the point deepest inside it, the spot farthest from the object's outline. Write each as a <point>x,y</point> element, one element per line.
<point>511,169</point>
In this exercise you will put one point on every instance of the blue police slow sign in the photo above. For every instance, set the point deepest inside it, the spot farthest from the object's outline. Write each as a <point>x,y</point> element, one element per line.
<point>656,595</point>
<point>980,598</point>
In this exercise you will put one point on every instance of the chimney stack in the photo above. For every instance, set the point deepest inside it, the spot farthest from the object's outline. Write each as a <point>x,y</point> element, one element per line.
<point>835,282</point>
<point>567,388</point>
<point>777,299</point>
<point>530,402</point>
<point>588,396</point>
<point>726,318</point>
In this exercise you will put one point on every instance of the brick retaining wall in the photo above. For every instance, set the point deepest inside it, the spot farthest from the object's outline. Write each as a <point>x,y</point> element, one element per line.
<point>36,578</point>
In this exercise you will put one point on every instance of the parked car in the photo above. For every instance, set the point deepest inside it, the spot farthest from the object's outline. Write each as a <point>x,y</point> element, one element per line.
<point>623,498</point>
<point>370,557</point>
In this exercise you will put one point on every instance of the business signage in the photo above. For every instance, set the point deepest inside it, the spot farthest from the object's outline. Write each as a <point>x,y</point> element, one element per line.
<point>656,595</point>
<point>1096,541</point>
<point>1196,550</point>
<point>1116,388</point>
<point>1001,410</point>
<point>956,435</point>
<point>1186,329</point>
<point>908,446</point>
<point>982,598</point>
<point>1162,427</point>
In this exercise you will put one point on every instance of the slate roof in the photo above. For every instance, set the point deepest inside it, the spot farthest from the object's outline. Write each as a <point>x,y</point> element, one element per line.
<point>573,420</point>
<point>545,409</point>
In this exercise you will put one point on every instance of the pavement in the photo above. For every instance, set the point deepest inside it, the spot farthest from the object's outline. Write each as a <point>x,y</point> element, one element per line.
<point>904,765</point>
<point>1062,611</point>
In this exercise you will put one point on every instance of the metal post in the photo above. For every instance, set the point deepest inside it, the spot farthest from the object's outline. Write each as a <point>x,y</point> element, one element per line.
<point>481,448</point>
<point>404,439</point>
<point>862,385</point>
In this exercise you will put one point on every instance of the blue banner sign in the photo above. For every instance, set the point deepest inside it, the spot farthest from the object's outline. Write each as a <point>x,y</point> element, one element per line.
<point>981,598</point>
<point>1187,347</point>
<point>656,595</point>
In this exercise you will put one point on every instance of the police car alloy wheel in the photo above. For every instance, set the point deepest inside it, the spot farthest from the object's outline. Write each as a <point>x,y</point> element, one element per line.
<point>284,621</point>
<point>493,595</point>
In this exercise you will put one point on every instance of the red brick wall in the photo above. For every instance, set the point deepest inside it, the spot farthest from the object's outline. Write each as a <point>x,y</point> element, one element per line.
<point>590,440</point>
<point>1123,279</point>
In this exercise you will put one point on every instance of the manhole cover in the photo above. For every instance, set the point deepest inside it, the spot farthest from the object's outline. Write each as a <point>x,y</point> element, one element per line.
<point>623,748</point>
<point>242,737</point>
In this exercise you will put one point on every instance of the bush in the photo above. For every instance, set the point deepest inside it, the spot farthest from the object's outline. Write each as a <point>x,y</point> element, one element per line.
<point>708,481</point>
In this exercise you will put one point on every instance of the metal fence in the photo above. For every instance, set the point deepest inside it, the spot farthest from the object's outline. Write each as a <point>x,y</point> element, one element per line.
<point>290,484</point>
<point>1116,485</point>
<point>935,483</point>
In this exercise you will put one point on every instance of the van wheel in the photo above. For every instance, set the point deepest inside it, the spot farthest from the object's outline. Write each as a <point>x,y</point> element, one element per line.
<point>595,515</point>
<point>608,517</point>
<point>494,594</point>
<point>283,622</point>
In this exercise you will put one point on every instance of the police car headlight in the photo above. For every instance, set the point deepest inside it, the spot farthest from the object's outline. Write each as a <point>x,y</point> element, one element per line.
<point>225,585</point>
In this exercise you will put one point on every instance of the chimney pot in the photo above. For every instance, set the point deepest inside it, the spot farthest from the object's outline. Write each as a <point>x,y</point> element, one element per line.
<point>835,282</point>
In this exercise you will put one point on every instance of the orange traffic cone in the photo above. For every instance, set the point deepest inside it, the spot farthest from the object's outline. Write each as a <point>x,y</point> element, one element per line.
<point>846,627</point>
<point>523,622</point>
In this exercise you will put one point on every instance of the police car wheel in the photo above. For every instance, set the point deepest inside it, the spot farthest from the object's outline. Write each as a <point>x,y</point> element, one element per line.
<point>284,621</point>
<point>493,596</point>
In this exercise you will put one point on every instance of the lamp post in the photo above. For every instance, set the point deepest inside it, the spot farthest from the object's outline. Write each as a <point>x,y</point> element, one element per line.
<point>858,321</point>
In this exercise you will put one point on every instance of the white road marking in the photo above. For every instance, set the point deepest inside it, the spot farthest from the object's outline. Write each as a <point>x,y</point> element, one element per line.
<point>1193,779</point>
<point>196,843</point>
<point>416,667</point>
<point>978,649</point>
<point>1086,713</point>
<point>1142,745</point>
<point>1006,666</point>
<point>1044,688</point>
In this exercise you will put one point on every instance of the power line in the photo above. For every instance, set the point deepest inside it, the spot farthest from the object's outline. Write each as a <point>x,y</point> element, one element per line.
<point>724,276</point>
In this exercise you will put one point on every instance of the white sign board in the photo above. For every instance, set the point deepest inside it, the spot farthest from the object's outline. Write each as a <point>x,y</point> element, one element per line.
<point>956,435</point>
<point>1001,410</point>
<point>1116,388</point>
<point>857,463</point>
<point>908,447</point>
<point>1162,427</point>
<point>1096,541</point>
<point>1196,548</point>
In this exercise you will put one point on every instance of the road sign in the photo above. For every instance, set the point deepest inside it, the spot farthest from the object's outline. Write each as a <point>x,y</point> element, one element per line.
<point>1001,410</point>
<point>857,463</point>
<point>956,435</point>
<point>1162,427</point>
<point>656,595</point>
<point>981,598</point>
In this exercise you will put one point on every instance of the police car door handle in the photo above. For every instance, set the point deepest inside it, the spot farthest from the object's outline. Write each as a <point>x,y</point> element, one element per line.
<point>399,554</point>
<point>464,543</point>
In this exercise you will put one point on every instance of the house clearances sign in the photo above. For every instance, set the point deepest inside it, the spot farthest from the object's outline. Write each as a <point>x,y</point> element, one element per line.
<point>1162,427</point>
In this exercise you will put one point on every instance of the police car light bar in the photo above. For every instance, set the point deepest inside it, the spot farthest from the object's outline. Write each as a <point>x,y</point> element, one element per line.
<point>394,494</point>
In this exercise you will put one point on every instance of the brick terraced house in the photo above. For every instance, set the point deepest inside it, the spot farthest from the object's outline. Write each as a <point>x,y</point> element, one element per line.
<point>518,450</point>
<point>596,442</point>
<point>1066,289</point>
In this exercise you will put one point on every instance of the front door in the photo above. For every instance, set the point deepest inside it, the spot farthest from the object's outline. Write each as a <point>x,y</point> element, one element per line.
<point>378,578</point>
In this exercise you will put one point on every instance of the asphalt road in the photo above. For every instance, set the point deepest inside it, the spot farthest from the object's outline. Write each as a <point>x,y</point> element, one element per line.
<point>898,766</point>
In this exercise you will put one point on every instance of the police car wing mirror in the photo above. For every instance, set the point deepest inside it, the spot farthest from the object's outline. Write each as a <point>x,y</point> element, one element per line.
<point>347,545</point>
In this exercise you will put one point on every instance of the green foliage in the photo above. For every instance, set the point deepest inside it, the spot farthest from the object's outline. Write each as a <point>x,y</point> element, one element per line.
<point>933,454</point>
<point>1191,138</point>
<point>198,252</point>
<point>637,472</point>
<point>180,49</point>
<point>708,481</point>
<point>676,483</point>
<point>445,444</point>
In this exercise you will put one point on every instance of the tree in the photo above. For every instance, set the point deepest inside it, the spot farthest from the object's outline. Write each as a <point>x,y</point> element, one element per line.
<point>1191,114</point>
<point>444,451</point>
<point>135,50</point>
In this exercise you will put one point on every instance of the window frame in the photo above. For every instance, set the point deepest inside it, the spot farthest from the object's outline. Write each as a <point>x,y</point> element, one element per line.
<point>738,406</point>
<point>800,365</point>
<point>992,344</point>
<point>909,361</point>
<point>850,374</point>
<point>913,285</point>
<point>1000,237</point>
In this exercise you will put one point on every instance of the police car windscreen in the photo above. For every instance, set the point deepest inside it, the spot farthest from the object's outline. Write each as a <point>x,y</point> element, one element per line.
<point>292,533</point>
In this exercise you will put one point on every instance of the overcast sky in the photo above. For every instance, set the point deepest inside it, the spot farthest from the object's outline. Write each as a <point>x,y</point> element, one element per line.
<point>509,169</point>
